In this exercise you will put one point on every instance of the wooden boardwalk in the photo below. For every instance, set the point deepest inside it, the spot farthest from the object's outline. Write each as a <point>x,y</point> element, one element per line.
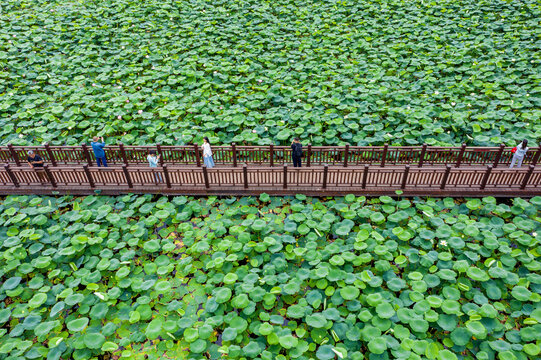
<point>235,156</point>
<point>316,180</point>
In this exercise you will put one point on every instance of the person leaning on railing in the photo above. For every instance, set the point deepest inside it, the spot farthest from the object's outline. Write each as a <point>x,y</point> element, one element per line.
<point>36,162</point>
<point>99,153</point>
<point>153,160</point>
<point>519,153</point>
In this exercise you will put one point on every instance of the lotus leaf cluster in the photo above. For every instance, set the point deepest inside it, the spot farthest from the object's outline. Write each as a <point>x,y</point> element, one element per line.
<point>260,72</point>
<point>142,277</point>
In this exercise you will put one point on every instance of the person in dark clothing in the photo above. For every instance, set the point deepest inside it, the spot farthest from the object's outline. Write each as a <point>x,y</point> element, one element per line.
<point>36,162</point>
<point>296,152</point>
<point>99,153</point>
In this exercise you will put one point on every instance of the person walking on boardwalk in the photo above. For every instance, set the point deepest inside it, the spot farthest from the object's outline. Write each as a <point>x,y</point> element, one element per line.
<point>296,152</point>
<point>99,153</point>
<point>36,162</point>
<point>519,153</point>
<point>207,153</point>
<point>153,160</point>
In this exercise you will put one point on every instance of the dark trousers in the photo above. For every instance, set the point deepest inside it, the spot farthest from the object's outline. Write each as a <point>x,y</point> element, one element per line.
<point>101,161</point>
<point>296,161</point>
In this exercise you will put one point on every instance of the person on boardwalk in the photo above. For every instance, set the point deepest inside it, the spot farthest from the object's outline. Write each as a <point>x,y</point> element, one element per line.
<point>153,160</point>
<point>207,153</point>
<point>36,162</point>
<point>520,152</point>
<point>296,152</point>
<point>99,153</point>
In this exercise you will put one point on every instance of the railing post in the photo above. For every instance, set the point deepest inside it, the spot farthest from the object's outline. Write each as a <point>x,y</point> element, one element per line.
<point>11,175</point>
<point>285,176</point>
<point>405,177</point>
<point>309,157</point>
<point>325,172</point>
<point>166,176</point>
<point>89,176</point>
<point>87,154</point>
<point>384,156</point>
<point>422,156</point>
<point>127,175</point>
<point>527,177</point>
<point>245,175</point>
<point>460,155</point>
<point>445,176</point>
<point>159,148</point>
<point>49,175</point>
<point>365,175</point>
<point>197,156</point>
<point>485,177</point>
<point>536,156</point>
<point>271,150</point>
<point>206,176</point>
<point>346,155</point>
<point>50,153</point>
<point>123,154</point>
<point>14,155</point>
<point>234,154</point>
<point>498,156</point>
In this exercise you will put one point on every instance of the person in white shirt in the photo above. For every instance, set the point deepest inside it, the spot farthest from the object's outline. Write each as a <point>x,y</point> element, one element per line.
<point>153,163</point>
<point>207,153</point>
<point>518,156</point>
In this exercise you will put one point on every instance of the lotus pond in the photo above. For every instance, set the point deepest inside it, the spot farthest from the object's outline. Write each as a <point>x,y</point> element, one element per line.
<point>269,278</point>
<point>255,71</point>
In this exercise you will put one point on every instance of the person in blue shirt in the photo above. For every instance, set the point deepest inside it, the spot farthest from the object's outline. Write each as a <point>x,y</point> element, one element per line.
<point>153,161</point>
<point>99,153</point>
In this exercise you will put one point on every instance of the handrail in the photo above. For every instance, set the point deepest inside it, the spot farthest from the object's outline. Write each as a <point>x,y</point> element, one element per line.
<point>273,155</point>
<point>284,180</point>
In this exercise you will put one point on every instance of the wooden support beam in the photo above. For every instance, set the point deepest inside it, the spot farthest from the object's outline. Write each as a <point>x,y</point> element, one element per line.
<point>49,175</point>
<point>445,176</point>
<point>245,175</point>
<point>127,175</point>
<point>498,156</point>
<point>460,155</point>
<point>197,155</point>
<point>309,155</point>
<point>422,156</point>
<point>166,176</point>
<point>123,154</point>
<point>527,177</point>
<point>50,154</point>
<point>159,150</point>
<point>325,174</point>
<point>405,177</point>
<point>89,176</point>
<point>86,153</point>
<point>384,155</point>
<point>536,156</point>
<point>234,154</point>
<point>14,155</point>
<point>365,175</point>
<point>346,155</point>
<point>11,175</point>
<point>285,176</point>
<point>206,176</point>
<point>485,177</point>
<point>271,154</point>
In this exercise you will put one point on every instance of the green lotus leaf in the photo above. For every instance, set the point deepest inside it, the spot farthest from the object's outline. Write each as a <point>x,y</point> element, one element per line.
<point>316,320</point>
<point>349,292</point>
<point>377,345</point>
<point>77,325</point>
<point>94,340</point>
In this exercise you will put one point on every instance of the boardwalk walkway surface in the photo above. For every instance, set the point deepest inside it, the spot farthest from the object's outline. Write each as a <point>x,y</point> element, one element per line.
<point>326,171</point>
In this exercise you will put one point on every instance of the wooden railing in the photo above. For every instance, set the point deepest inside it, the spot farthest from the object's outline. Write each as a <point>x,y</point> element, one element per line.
<point>235,156</point>
<point>278,180</point>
